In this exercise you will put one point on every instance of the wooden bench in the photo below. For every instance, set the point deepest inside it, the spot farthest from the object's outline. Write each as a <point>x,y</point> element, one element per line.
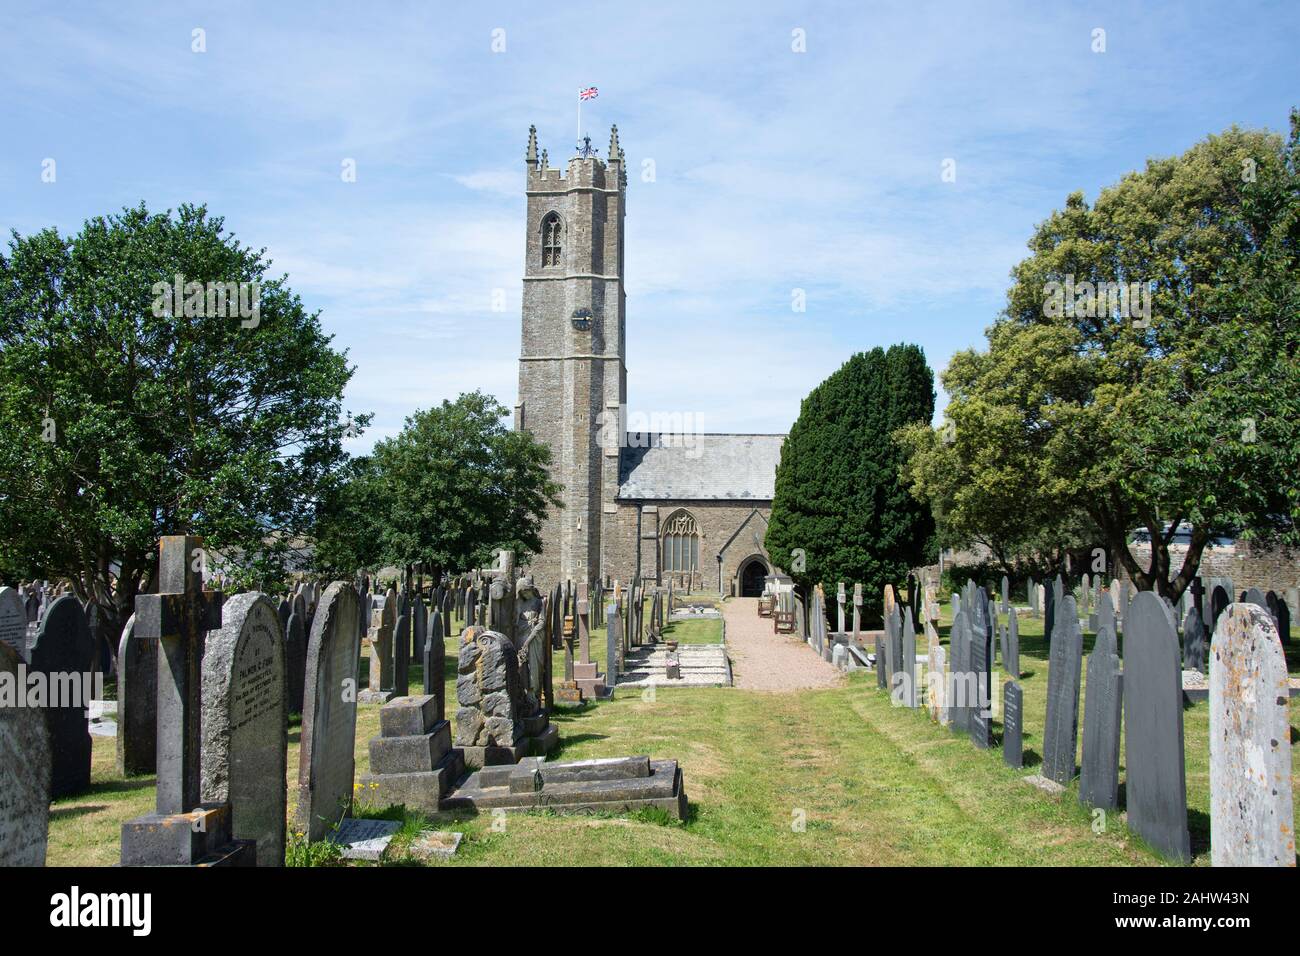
<point>765,606</point>
<point>783,622</point>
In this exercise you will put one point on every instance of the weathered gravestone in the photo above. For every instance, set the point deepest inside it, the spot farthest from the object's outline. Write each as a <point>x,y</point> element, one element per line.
<point>1156,787</point>
<point>893,652</point>
<point>435,663</point>
<point>244,723</point>
<point>380,682</point>
<point>909,660</point>
<point>295,661</point>
<point>1013,708</point>
<point>1006,594</point>
<point>1194,658</point>
<point>13,622</point>
<point>62,653</point>
<point>1284,621</point>
<point>1061,731</point>
<point>981,651</point>
<point>1049,613</point>
<point>329,719</point>
<point>419,628</point>
<point>1099,776</point>
<point>936,674</point>
<point>25,770</point>
<point>496,721</point>
<point>137,703</point>
<point>402,654</point>
<point>1251,813</point>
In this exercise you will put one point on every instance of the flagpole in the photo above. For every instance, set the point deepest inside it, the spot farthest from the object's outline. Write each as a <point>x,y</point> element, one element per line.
<point>579,117</point>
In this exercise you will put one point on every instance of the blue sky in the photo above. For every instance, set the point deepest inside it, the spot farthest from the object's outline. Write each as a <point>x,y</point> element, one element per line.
<point>774,170</point>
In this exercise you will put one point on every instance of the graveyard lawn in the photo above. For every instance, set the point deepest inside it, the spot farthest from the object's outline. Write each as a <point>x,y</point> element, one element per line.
<point>816,777</point>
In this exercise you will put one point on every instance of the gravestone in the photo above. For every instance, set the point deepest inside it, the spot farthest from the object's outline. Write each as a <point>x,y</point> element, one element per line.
<point>1255,596</point>
<point>1006,594</point>
<point>402,654</point>
<point>882,665</point>
<point>1099,776</point>
<point>295,662</point>
<point>981,664</point>
<point>961,681</point>
<point>1061,731</point>
<point>1031,595</point>
<point>435,662</point>
<point>1219,601</point>
<point>1011,654</point>
<point>1049,614</point>
<point>244,723</point>
<point>26,773</point>
<point>13,622</point>
<point>380,681</point>
<point>1155,788</point>
<point>62,652</point>
<point>909,659</point>
<point>329,719</point>
<point>137,703</point>
<point>1284,621</point>
<point>1194,658</point>
<point>936,676</point>
<point>1013,749</point>
<point>1251,811</point>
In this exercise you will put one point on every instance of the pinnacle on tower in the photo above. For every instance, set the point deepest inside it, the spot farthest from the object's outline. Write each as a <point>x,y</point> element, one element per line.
<point>531,156</point>
<point>544,159</point>
<point>613,143</point>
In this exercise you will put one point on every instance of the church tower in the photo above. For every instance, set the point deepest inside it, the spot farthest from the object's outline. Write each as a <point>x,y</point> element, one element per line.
<point>572,363</point>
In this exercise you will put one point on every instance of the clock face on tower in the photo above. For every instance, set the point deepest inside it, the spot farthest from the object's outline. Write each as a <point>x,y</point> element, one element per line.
<point>581,319</point>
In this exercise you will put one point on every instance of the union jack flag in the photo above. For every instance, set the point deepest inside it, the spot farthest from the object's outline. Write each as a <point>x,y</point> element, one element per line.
<point>590,93</point>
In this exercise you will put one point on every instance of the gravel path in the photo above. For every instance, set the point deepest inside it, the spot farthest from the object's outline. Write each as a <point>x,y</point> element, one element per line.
<point>762,660</point>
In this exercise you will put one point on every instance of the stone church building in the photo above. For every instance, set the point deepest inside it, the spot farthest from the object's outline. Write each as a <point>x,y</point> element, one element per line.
<point>689,507</point>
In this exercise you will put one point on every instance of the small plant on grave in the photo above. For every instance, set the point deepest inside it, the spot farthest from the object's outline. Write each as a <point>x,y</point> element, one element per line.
<point>303,852</point>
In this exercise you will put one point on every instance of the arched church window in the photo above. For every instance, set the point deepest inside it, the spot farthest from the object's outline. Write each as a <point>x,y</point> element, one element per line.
<point>681,543</point>
<point>551,234</point>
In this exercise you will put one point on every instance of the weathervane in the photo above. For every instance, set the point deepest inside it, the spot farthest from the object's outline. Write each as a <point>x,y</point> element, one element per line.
<point>585,149</point>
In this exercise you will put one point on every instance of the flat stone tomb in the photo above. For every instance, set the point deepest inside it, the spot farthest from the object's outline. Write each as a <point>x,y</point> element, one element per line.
<point>611,785</point>
<point>702,665</point>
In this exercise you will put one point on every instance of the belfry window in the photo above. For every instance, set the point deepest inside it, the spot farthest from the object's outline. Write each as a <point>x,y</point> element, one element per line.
<point>551,233</point>
<point>681,543</point>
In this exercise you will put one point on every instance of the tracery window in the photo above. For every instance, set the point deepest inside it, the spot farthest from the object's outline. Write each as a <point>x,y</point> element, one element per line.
<point>681,543</point>
<point>551,234</point>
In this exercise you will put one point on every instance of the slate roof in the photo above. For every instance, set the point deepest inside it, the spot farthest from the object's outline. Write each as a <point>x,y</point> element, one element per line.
<point>702,467</point>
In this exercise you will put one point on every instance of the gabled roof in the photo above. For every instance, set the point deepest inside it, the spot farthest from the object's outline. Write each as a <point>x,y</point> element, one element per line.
<point>701,467</point>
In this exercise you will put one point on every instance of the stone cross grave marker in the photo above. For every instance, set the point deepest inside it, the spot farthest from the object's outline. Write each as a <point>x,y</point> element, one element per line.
<point>1061,733</point>
<point>857,612</point>
<point>13,622</point>
<point>1099,776</point>
<point>25,775</point>
<point>1013,708</point>
<point>329,719</point>
<point>244,723</point>
<point>62,651</point>
<point>137,703</point>
<point>1251,811</point>
<point>1156,784</point>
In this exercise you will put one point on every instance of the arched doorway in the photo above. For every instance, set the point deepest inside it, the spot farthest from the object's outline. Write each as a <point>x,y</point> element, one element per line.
<point>751,577</point>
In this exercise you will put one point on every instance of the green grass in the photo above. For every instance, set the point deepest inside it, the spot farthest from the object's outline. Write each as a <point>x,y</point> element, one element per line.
<point>815,777</point>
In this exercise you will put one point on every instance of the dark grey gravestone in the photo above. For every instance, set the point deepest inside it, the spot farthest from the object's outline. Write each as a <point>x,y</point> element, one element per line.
<point>962,683</point>
<point>62,651</point>
<point>1031,595</point>
<point>295,663</point>
<point>910,696</point>
<point>1006,594</point>
<point>882,668</point>
<point>1194,658</point>
<point>137,703</point>
<point>402,655</point>
<point>25,773</point>
<point>1013,709</point>
<point>244,723</point>
<point>1219,601</point>
<point>1099,776</point>
<point>1049,612</point>
<point>1011,657</point>
<point>1284,621</point>
<point>1156,788</point>
<point>1252,817</point>
<point>13,622</point>
<point>419,628</point>
<point>329,719</point>
<point>1255,596</point>
<point>612,641</point>
<point>284,609</point>
<point>435,657</point>
<point>1061,731</point>
<point>981,648</point>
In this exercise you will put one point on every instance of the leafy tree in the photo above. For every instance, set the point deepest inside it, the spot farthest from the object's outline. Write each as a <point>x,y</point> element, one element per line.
<point>452,487</point>
<point>841,512</point>
<point>125,415</point>
<point>1183,411</point>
